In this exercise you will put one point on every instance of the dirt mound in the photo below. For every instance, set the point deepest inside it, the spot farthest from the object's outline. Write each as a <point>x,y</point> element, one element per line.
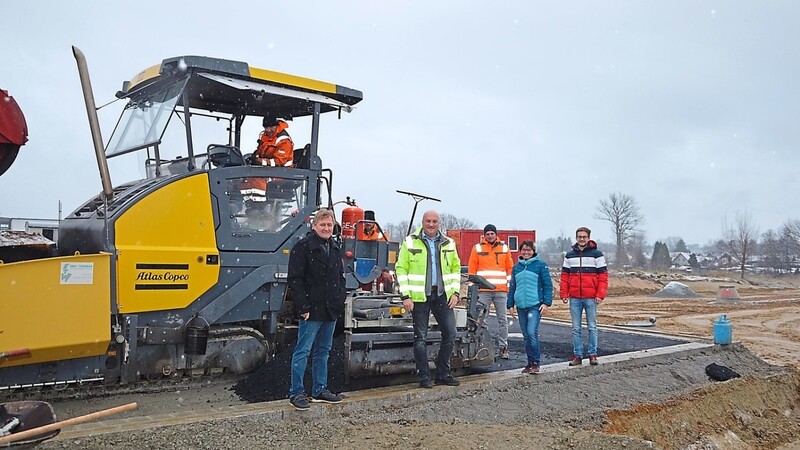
<point>673,289</point>
<point>631,284</point>
<point>741,413</point>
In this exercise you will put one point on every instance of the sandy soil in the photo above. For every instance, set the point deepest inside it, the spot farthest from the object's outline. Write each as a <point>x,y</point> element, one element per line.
<point>766,318</point>
<point>669,404</point>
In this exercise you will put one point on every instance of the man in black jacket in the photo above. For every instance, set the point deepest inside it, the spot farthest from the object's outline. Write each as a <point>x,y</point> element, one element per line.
<point>317,287</point>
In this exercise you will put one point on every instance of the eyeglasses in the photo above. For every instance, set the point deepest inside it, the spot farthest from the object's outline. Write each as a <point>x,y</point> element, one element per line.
<point>583,237</point>
<point>526,250</point>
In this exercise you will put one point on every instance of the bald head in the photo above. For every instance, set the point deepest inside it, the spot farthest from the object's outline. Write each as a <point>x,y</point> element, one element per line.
<point>430,223</point>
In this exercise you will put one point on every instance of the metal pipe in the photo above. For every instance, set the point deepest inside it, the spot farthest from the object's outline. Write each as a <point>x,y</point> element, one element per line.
<point>189,143</point>
<point>315,130</point>
<point>94,123</point>
<point>157,153</point>
<point>237,131</point>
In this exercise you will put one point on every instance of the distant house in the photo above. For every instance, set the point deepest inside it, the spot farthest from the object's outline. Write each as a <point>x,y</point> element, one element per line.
<point>680,259</point>
<point>705,261</point>
<point>725,260</point>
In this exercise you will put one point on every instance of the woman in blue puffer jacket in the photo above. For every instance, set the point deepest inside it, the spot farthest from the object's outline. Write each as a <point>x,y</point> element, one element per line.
<point>531,292</point>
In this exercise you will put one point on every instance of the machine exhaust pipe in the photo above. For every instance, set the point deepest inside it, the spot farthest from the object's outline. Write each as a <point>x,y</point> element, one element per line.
<point>94,123</point>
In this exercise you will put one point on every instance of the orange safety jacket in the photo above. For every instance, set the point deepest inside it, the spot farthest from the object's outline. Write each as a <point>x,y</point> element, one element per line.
<point>275,150</point>
<point>493,262</point>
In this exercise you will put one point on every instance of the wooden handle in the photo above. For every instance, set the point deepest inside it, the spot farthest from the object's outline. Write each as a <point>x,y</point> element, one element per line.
<point>18,352</point>
<point>65,423</point>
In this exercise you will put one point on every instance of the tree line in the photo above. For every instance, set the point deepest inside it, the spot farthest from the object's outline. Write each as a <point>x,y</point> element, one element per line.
<point>776,251</point>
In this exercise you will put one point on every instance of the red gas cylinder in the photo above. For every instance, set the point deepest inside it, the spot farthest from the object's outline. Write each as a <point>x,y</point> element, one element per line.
<point>350,216</point>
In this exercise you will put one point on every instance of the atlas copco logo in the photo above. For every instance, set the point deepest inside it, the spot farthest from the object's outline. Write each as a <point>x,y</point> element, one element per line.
<point>161,277</point>
<point>166,276</point>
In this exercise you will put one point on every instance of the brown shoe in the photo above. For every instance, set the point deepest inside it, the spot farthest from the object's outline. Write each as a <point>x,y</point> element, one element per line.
<point>593,360</point>
<point>575,361</point>
<point>527,369</point>
<point>504,352</point>
<point>534,369</point>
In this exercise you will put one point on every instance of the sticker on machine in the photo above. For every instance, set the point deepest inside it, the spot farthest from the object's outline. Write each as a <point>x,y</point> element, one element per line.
<point>77,273</point>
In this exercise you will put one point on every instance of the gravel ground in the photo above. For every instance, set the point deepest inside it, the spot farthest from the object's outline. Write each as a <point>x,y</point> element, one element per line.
<point>561,409</point>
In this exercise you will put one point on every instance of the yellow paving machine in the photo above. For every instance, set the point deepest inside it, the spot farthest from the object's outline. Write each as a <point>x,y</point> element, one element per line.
<point>181,272</point>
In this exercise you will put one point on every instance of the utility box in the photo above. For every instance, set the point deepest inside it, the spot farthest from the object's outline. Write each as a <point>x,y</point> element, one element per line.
<point>466,239</point>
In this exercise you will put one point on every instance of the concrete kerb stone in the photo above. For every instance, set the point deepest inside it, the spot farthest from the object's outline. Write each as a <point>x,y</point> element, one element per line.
<point>392,396</point>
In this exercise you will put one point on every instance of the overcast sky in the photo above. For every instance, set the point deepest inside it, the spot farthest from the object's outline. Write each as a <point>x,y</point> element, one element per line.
<point>524,114</point>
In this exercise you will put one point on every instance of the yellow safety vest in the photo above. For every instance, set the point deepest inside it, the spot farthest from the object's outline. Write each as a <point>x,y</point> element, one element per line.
<point>413,267</point>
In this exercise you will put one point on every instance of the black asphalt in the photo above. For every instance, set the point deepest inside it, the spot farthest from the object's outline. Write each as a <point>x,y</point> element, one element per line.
<point>271,381</point>
<point>556,344</point>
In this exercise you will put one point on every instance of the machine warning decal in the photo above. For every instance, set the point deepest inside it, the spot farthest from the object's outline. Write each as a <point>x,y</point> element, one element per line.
<point>162,277</point>
<point>77,273</point>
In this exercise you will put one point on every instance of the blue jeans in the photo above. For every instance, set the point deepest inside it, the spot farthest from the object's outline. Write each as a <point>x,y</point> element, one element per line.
<point>313,337</point>
<point>446,319</point>
<point>529,319</point>
<point>576,307</point>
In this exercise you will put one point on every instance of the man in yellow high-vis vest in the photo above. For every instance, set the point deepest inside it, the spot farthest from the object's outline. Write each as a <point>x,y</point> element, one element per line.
<point>429,278</point>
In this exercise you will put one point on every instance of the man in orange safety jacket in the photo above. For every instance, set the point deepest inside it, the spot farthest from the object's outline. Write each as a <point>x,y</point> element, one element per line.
<point>276,149</point>
<point>491,259</point>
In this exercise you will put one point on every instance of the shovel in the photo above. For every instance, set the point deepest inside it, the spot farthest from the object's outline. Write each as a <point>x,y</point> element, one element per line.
<point>64,423</point>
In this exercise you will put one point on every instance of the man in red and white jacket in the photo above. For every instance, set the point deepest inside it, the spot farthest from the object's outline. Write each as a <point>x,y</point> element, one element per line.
<point>584,283</point>
<point>491,259</point>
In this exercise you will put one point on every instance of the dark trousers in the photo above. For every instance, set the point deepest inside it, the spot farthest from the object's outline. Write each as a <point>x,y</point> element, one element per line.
<point>446,318</point>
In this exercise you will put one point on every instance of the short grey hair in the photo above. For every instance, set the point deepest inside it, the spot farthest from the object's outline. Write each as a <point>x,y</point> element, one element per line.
<point>324,214</point>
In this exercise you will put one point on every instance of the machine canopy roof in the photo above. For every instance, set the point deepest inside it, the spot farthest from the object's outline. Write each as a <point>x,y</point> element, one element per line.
<point>233,87</point>
<point>219,86</point>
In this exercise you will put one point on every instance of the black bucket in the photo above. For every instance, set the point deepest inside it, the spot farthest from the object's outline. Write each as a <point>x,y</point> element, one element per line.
<point>196,340</point>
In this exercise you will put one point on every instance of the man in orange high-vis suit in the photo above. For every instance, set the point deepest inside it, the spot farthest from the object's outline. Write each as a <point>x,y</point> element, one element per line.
<point>491,259</point>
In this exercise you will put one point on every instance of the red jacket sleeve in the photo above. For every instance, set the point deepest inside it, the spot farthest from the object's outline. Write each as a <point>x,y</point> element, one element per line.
<point>563,291</point>
<point>602,284</point>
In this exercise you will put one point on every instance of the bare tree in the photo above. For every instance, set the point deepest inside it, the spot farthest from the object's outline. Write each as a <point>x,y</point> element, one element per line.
<point>450,222</point>
<point>792,228</point>
<point>636,246</point>
<point>622,211</point>
<point>740,237</point>
<point>447,222</point>
<point>773,248</point>
<point>396,231</point>
<point>790,233</point>
<point>565,242</point>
